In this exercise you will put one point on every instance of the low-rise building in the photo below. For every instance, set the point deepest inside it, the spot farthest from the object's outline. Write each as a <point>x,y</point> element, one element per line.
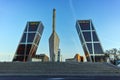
<point>40,58</point>
<point>77,58</point>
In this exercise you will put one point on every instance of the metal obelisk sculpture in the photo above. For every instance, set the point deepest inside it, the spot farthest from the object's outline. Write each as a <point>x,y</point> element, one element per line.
<point>54,41</point>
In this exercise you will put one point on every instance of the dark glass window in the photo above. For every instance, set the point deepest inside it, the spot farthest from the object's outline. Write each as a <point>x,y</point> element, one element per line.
<point>85,50</point>
<point>99,58</point>
<point>78,29</point>
<point>23,38</point>
<point>87,36</point>
<point>31,37</point>
<point>98,48</point>
<point>21,49</point>
<point>95,37</point>
<point>80,36</point>
<point>28,48</point>
<point>89,45</point>
<point>34,48</point>
<point>85,26</point>
<point>19,58</point>
<point>92,26</point>
<point>93,58</point>
<point>37,39</point>
<point>26,28</point>
<point>26,58</point>
<point>86,53</point>
<point>40,29</point>
<point>33,26</point>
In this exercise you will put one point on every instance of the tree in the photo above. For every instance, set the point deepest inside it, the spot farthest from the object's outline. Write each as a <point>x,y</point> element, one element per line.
<point>115,52</point>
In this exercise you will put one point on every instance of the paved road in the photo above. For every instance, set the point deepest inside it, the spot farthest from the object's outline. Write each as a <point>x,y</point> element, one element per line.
<point>57,78</point>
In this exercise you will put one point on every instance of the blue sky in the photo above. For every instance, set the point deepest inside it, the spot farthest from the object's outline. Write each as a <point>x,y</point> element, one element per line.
<point>14,15</point>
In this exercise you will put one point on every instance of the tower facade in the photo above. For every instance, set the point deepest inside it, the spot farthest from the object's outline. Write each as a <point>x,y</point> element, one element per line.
<point>90,41</point>
<point>29,42</point>
<point>54,41</point>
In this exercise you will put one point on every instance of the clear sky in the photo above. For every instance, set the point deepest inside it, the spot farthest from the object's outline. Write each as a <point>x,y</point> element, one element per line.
<point>14,15</point>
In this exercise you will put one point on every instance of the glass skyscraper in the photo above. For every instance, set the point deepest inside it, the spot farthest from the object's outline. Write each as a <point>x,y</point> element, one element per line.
<point>90,41</point>
<point>29,42</point>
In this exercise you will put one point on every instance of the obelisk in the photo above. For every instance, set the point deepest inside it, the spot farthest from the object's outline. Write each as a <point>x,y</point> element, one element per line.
<point>54,41</point>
